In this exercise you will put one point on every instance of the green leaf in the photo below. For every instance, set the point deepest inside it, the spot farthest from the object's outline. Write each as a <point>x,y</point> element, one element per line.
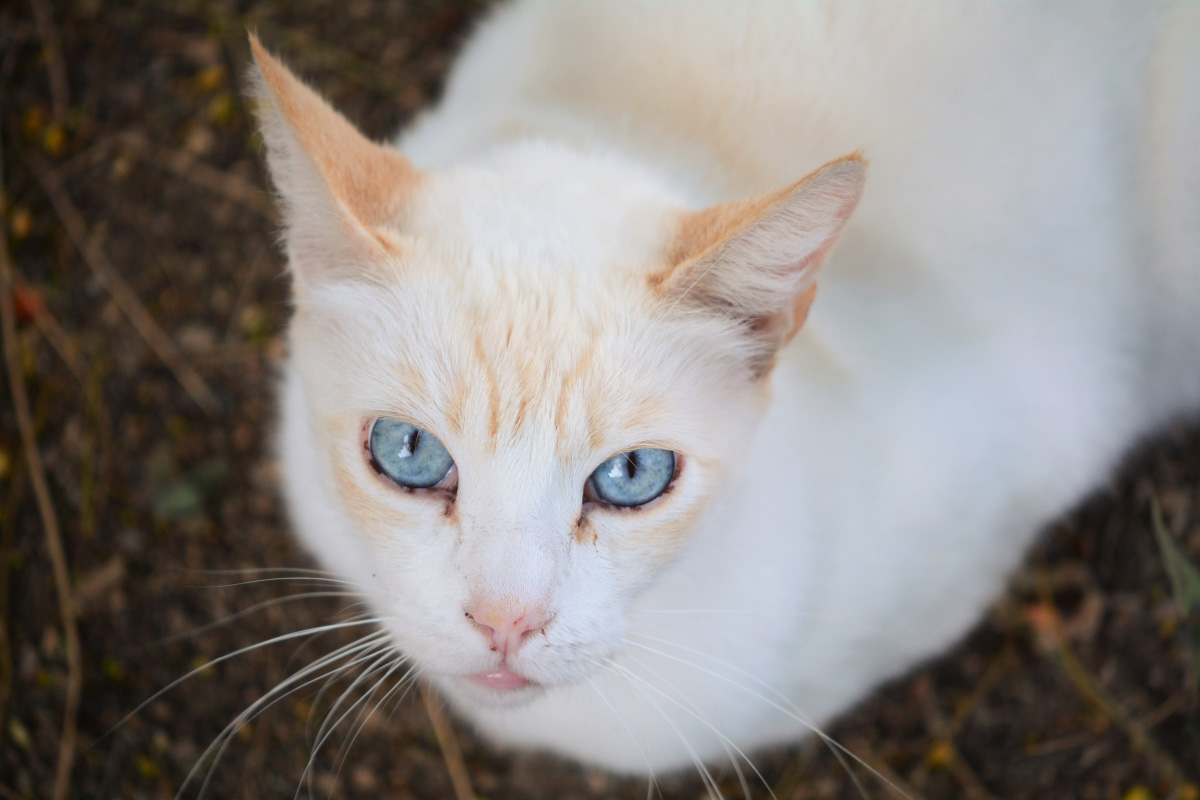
<point>1185,583</point>
<point>1185,577</point>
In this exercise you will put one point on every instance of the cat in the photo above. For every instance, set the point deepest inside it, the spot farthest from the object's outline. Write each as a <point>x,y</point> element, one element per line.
<point>562,399</point>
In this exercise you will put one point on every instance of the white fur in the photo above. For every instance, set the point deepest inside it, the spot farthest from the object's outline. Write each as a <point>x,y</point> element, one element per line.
<point>1016,300</point>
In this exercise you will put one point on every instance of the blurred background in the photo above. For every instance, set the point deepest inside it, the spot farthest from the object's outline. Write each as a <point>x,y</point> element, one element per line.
<point>144,306</point>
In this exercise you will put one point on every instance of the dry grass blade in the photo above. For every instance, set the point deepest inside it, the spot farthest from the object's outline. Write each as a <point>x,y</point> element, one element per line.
<point>50,528</point>
<point>459,777</point>
<point>900,787</point>
<point>55,66</point>
<point>121,292</point>
<point>1099,699</point>
<point>181,164</point>
<point>7,533</point>
<point>54,335</point>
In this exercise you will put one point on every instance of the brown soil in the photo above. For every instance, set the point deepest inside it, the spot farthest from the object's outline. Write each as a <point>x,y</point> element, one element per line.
<point>123,127</point>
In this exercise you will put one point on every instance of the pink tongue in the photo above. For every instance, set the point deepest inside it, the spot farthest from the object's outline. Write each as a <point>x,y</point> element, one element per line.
<point>502,678</point>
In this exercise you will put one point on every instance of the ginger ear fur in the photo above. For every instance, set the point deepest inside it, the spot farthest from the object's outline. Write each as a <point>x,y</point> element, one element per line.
<point>313,151</point>
<point>758,259</point>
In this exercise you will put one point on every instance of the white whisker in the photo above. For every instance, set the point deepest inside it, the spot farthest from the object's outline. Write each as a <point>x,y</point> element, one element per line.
<point>292,683</point>
<point>726,742</point>
<point>240,651</point>
<point>363,714</point>
<point>256,607</point>
<point>793,712</point>
<point>710,783</point>
<point>844,621</point>
<point>652,787</point>
<point>389,662</point>
<point>379,661</point>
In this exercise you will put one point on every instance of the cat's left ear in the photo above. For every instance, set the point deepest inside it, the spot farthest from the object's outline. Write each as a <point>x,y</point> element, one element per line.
<point>757,260</point>
<point>341,192</point>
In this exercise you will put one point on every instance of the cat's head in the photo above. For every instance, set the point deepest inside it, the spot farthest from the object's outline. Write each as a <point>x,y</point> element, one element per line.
<point>523,378</point>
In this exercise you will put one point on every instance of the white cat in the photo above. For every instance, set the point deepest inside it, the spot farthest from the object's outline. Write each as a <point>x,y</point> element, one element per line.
<point>539,406</point>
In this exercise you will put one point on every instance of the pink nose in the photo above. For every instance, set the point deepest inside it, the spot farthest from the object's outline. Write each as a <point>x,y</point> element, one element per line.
<point>507,622</point>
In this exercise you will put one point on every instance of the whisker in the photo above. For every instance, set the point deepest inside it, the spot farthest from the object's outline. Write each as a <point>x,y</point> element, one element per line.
<point>387,661</point>
<point>710,783</point>
<point>652,787</point>
<point>263,570</point>
<point>329,681</point>
<point>362,616</point>
<point>250,610</point>
<point>363,715</point>
<point>412,680</point>
<point>316,580</point>
<point>794,712</point>
<point>726,742</point>
<point>835,747</point>
<point>845,621</point>
<point>221,741</point>
<point>240,651</point>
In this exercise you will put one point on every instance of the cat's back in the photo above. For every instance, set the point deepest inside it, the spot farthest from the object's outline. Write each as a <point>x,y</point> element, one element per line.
<point>766,88</point>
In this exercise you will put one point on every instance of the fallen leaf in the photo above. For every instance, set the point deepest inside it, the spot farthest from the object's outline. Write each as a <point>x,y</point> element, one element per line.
<point>1046,623</point>
<point>1138,792</point>
<point>28,303</point>
<point>20,224</point>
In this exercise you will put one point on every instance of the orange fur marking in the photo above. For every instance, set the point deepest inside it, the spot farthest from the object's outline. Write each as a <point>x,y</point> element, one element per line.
<point>582,364</point>
<point>456,405</point>
<point>584,532</point>
<point>493,390</point>
<point>374,520</point>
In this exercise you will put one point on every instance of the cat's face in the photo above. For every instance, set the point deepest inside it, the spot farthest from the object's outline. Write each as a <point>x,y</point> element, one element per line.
<point>532,364</point>
<point>523,379</point>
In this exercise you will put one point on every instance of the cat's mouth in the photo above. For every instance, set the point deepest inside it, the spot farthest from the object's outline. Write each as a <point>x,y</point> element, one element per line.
<point>501,679</point>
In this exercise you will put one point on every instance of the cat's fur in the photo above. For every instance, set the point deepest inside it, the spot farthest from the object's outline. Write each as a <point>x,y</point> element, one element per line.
<point>1015,301</point>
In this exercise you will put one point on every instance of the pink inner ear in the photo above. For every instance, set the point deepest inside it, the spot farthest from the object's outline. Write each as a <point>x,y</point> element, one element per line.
<point>371,181</point>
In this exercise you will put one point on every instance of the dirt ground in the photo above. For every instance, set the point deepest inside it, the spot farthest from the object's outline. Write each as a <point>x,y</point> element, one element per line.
<point>149,306</point>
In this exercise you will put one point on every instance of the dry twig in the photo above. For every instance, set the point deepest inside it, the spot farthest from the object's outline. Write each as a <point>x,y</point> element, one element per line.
<point>55,66</point>
<point>183,165</point>
<point>54,334</point>
<point>897,786</point>
<point>943,730</point>
<point>94,406</point>
<point>7,534</point>
<point>162,344</point>
<point>451,752</point>
<point>50,528</point>
<point>1095,695</point>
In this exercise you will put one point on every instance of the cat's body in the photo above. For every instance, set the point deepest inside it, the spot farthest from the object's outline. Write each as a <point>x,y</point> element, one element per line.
<point>1015,301</point>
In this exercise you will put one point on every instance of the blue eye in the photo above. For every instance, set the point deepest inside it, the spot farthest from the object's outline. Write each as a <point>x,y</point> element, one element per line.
<point>633,478</point>
<point>408,455</point>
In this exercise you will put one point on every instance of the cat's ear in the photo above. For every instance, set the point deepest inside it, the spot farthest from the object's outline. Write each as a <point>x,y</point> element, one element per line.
<point>757,260</point>
<point>340,191</point>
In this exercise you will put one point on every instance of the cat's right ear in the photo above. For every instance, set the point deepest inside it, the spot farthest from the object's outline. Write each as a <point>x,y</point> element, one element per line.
<point>756,261</point>
<point>341,193</point>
